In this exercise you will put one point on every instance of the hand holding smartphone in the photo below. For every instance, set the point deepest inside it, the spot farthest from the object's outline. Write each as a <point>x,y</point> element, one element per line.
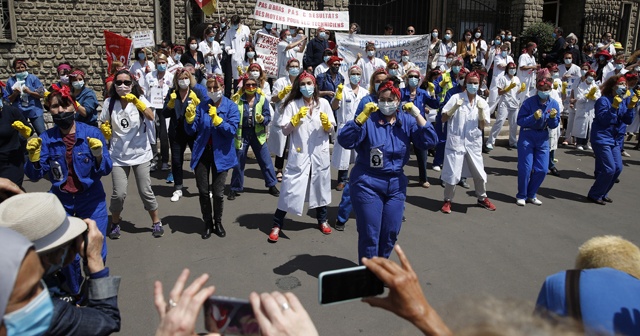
<point>230,316</point>
<point>348,284</point>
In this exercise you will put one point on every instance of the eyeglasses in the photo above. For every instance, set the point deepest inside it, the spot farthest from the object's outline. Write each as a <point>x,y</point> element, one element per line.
<point>126,82</point>
<point>251,85</point>
<point>413,76</point>
<point>410,31</point>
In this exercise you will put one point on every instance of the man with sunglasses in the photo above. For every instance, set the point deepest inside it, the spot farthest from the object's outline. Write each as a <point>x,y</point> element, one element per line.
<point>330,81</point>
<point>411,30</point>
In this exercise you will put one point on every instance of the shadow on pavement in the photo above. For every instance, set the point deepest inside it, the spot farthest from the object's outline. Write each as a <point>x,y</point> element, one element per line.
<point>563,194</point>
<point>500,171</point>
<point>424,203</point>
<point>313,265</point>
<point>505,158</point>
<point>184,224</point>
<point>569,174</point>
<point>131,228</point>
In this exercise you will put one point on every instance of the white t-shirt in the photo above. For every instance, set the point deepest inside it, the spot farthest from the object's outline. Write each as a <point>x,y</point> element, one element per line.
<point>156,90</point>
<point>130,143</point>
<point>321,68</point>
<point>283,56</point>
<point>211,62</point>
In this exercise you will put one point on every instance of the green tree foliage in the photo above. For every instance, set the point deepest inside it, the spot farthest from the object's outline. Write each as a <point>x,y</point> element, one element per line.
<point>540,33</point>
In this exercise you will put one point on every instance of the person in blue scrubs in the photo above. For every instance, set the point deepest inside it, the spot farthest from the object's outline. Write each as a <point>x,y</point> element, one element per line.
<point>537,115</point>
<point>611,113</point>
<point>74,156</point>
<point>381,136</point>
<point>24,91</point>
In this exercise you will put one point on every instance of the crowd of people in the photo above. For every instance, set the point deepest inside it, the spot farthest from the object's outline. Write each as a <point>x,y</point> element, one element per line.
<point>213,96</point>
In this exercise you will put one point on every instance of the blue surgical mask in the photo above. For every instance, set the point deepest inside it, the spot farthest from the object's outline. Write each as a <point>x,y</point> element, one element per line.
<point>589,80</point>
<point>22,75</point>
<point>326,58</point>
<point>78,85</point>
<point>508,38</point>
<point>472,88</point>
<point>323,35</point>
<point>32,319</point>
<point>210,39</point>
<point>455,69</point>
<point>393,72</point>
<point>176,57</point>
<point>268,26</point>
<point>251,54</point>
<point>621,90</point>
<point>355,79</point>
<point>162,67</point>
<point>554,35</point>
<point>447,36</point>
<point>307,90</point>
<point>512,72</point>
<point>405,58</point>
<point>222,25</point>
<point>289,38</point>
<point>618,66</point>
<point>434,34</point>
<point>234,26</point>
<point>142,56</point>
<point>503,54</point>
<point>544,95</point>
<point>294,71</point>
<point>413,82</point>
<point>502,36</point>
<point>497,42</point>
<point>371,53</point>
<point>376,86</point>
<point>568,61</point>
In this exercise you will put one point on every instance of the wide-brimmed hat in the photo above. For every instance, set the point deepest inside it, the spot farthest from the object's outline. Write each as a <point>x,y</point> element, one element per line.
<point>42,219</point>
<point>604,53</point>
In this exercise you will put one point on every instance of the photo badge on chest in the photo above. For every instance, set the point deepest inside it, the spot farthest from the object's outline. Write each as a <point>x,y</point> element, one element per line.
<point>375,158</point>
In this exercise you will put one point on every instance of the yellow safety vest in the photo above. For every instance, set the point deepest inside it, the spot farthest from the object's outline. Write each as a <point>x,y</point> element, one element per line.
<point>260,129</point>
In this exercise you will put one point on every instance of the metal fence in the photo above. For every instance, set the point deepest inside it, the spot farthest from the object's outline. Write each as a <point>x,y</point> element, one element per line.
<point>604,18</point>
<point>490,15</point>
<point>373,15</point>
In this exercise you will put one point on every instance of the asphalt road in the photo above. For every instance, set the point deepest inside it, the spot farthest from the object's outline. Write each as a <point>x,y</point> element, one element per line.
<point>467,254</point>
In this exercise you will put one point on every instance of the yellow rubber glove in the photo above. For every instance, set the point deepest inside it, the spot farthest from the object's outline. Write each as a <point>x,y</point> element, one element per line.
<point>23,129</point>
<point>240,72</point>
<point>564,87</point>
<point>172,100</point>
<point>555,85</point>
<point>633,102</point>
<point>34,146</point>
<point>553,113</point>
<point>510,87</point>
<point>259,118</point>
<point>194,98</point>
<point>386,59</point>
<point>339,92</point>
<point>324,119</point>
<point>627,94</point>
<point>46,94</point>
<point>445,81</point>
<point>284,92</point>
<point>215,118</point>
<point>369,108</point>
<point>105,128</point>
<point>96,147</point>
<point>538,114</point>
<point>131,98</point>
<point>190,113</point>
<point>592,93</point>
<point>616,102</point>
<point>411,109</point>
<point>431,88</point>
<point>259,91</point>
<point>297,118</point>
<point>638,93</point>
<point>236,96</point>
<point>455,107</point>
<point>523,87</point>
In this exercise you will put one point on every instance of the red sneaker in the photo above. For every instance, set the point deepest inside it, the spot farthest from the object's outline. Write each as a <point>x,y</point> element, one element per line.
<point>486,203</point>
<point>325,228</point>
<point>275,232</point>
<point>446,207</point>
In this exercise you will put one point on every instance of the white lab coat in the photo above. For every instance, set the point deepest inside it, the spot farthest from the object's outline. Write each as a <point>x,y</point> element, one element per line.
<point>277,139</point>
<point>234,42</point>
<point>308,155</point>
<point>369,66</point>
<point>464,137</point>
<point>528,77</point>
<point>211,62</point>
<point>342,157</point>
<point>584,109</point>
<point>498,60</point>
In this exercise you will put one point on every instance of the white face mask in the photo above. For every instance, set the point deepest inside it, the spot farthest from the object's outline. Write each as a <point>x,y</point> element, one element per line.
<point>123,90</point>
<point>254,74</point>
<point>193,46</point>
<point>184,83</point>
<point>405,58</point>
<point>371,53</point>
<point>512,72</point>
<point>388,108</point>
<point>215,96</point>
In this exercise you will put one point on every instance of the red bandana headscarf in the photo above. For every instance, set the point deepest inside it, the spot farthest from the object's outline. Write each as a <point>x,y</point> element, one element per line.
<point>305,75</point>
<point>389,86</point>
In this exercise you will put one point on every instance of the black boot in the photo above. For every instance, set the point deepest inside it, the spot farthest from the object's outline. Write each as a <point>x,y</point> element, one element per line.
<point>208,227</point>
<point>218,229</point>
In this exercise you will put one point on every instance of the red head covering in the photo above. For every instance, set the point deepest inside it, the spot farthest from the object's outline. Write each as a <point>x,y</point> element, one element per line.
<point>392,62</point>
<point>64,92</point>
<point>543,81</point>
<point>619,61</point>
<point>542,73</point>
<point>552,67</point>
<point>217,77</point>
<point>604,53</point>
<point>621,79</point>
<point>591,73</point>
<point>254,65</point>
<point>334,59</point>
<point>77,73</point>
<point>388,85</point>
<point>450,54</point>
<point>464,71</point>
<point>63,67</point>
<point>305,75</point>
<point>511,64</point>
<point>292,60</point>
<point>413,71</point>
<point>630,76</point>
<point>178,48</point>
<point>354,67</point>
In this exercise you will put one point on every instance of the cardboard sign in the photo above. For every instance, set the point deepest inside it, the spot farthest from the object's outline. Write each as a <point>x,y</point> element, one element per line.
<point>267,49</point>
<point>143,39</point>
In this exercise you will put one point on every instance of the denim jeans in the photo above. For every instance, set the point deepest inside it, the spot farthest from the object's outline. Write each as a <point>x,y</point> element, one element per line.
<point>38,124</point>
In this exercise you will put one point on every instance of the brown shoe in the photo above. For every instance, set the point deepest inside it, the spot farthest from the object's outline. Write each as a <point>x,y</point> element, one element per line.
<point>340,186</point>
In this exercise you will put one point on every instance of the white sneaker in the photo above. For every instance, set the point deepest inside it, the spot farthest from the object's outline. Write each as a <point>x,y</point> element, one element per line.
<point>588,147</point>
<point>580,148</point>
<point>489,146</point>
<point>176,195</point>
<point>436,168</point>
<point>520,202</point>
<point>210,195</point>
<point>534,201</point>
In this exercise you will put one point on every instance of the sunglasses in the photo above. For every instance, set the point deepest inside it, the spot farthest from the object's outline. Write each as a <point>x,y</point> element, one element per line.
<point>410,31</point>
<point>251,85</point>
<point>413,76</point>
<point>125,82</point>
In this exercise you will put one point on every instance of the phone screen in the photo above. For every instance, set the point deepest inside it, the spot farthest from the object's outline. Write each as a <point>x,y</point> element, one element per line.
<point>348,284</point>
<point>230,316</point>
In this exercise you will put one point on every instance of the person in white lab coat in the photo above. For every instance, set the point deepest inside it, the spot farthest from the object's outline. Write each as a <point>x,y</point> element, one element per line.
<point>212,53</point>
<point>466,114</point>
<point>344,105</point>
<point>527,68</point>
<point>370,63</point>
<point>500,62</point>
<point>509,88</point>
<point>286,50</point>
<point>277,140</point>
<point>157,85</point>
<point>309,122</point>
<point>235,41</point>
<point>584,96</point>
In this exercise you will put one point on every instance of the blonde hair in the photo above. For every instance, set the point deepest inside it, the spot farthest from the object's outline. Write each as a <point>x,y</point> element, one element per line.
<point>609,251</point>
<point>176,78</point>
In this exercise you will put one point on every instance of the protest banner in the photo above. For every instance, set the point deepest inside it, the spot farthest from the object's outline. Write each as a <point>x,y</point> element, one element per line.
<point>143,39</point>
<point>117,48</point>
<point>267,49</point>
<point>277,13</point>
<point>349,45</point>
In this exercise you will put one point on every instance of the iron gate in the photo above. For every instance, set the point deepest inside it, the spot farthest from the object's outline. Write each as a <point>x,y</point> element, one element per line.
<point>490,15</point>
<point>605,18</point>
<point>373,15</point>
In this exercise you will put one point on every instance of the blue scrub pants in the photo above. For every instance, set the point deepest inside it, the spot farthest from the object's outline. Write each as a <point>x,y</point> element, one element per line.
<point>345,207</point>
<point>608,168</point>
<point>441,131</point>
<point>378,202</point>
<point>533,161</point>
<point>92,204</point>
<point>261,152</point>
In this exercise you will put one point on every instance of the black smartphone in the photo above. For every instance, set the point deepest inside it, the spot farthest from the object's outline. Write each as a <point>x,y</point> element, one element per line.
<point>348,284</point>
<point>230,316</point>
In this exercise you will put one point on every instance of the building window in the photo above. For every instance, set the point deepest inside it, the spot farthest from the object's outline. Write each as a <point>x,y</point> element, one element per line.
<point>7,22</point>
<point>165,29</point>
<point>551,12</point>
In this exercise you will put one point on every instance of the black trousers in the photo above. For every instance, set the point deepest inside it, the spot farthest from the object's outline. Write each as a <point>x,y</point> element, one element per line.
<point>203,168</point>
<point>12,167</point>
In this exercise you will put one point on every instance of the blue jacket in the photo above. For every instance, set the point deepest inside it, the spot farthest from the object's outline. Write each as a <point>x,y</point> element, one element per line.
<point>34,109</point>
<point>530,106</point>
<point>87,98</point>
<point>455,90</point>
<point>392,140</point>
<point>315,49</point>
<point>421,99</point>
<point>326,83</point>
<point>84,164</point>
<point>224,151</point>
<point>608,122</point>
<point>266,111</point>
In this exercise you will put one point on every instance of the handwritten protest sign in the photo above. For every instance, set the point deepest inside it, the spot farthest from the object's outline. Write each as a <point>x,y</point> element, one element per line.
<point>267,49</point>
<point>277,13</point>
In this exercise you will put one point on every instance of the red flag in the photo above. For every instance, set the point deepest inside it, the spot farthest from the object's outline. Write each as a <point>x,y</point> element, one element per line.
<point>118,48</point>
<point>208,6</point>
